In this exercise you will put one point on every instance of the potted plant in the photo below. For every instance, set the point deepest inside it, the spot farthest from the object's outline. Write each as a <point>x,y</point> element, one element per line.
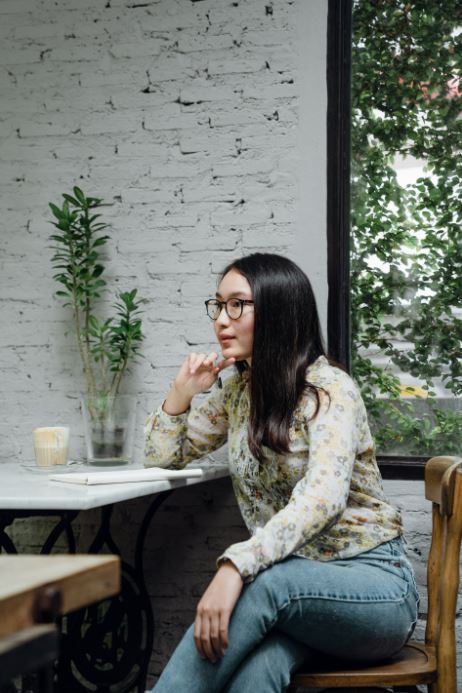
<point>106,346</point>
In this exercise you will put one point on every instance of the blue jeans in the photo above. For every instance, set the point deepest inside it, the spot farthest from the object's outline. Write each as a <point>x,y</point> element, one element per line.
<point>363,608</point>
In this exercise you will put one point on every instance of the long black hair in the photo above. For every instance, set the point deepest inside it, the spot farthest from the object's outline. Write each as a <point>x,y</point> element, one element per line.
<point>287,339</point>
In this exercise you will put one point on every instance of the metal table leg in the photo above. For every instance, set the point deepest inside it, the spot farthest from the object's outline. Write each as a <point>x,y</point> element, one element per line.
<point>107,646</point>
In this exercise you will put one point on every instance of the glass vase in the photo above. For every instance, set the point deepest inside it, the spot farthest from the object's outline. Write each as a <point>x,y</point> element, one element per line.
<point>109,425</point>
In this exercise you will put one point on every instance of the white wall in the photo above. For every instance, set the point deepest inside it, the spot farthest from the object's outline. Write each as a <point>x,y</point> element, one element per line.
<point>184,117</point>
<point>310,249</point>
<point>202,124</point>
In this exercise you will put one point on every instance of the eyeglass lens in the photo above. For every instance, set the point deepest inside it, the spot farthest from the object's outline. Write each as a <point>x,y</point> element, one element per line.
<point>233,308</point>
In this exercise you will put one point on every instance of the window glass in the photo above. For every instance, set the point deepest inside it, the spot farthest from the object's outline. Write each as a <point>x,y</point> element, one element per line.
<point>406,222</point>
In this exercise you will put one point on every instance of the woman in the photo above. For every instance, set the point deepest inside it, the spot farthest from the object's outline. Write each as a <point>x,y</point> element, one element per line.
<point>324,569</point>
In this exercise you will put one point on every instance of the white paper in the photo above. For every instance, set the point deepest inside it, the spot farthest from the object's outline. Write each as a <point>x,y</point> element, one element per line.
<point>130,475</point>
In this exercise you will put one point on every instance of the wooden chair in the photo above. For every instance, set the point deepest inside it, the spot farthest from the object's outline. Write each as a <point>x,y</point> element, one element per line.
<point>434,662</point>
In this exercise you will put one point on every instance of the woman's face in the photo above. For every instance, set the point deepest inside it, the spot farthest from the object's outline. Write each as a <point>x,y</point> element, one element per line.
<point>235,336</point>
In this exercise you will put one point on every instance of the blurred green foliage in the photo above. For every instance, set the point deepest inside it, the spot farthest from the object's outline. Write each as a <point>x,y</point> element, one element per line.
<point>406,247</point>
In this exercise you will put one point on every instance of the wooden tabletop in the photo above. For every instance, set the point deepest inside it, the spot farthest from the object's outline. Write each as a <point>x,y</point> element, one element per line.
<point>27,582</point>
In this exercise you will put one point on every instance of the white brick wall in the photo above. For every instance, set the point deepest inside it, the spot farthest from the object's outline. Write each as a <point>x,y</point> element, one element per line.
<point>184,117</point>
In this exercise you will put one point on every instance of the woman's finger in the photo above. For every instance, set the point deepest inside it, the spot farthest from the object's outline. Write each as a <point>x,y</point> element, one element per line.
<point>203,361</point>
<point>205,639</point>
<point>223,631</point>
<point>191,359</point>
<point>225,363</point>
<point>215,635</point>
<point>198,358</point>
<point>197,636</point>
<point>208,361</point>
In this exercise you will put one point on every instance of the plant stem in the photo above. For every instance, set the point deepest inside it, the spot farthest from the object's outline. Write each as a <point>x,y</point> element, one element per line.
<point>103,368</point>
<point>118,375</point>
<point>83,348</point>
<point>87,298</point>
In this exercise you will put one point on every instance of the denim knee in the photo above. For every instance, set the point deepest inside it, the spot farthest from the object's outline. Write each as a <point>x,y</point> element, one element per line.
<point>359,608</point>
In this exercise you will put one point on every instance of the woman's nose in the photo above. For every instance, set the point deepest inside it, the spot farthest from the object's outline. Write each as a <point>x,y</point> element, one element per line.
<point>223,317</point>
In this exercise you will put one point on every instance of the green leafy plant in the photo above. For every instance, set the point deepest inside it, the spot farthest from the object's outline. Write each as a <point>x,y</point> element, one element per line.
<point>107,346</point>
<point>406,253</point>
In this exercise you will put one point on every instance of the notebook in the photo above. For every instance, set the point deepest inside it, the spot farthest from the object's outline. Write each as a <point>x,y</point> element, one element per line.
<point>126,476</point>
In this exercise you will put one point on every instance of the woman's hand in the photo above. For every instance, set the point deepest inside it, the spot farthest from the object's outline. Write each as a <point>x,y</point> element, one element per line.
<point>214,612</point>
<point>199,372</point>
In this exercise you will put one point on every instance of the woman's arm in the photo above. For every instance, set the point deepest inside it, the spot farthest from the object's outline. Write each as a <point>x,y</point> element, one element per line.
<point>176,435</point>
<point>320,497</point>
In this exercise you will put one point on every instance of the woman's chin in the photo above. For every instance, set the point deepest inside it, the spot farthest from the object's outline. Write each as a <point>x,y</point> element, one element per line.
<point>228,353</point>
<point>233,351</point>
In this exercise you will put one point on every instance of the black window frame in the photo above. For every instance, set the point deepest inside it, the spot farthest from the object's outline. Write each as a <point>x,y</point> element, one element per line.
<point>339,39</point>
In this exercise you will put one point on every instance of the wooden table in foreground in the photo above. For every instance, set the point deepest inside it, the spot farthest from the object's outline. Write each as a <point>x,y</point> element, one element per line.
<point>34,592</point>
<point>77,580</point>
<point>105,648</point>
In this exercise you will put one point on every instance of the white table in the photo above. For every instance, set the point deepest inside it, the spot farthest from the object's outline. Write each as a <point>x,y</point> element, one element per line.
<point>29,493</point>
<point>26,489</point>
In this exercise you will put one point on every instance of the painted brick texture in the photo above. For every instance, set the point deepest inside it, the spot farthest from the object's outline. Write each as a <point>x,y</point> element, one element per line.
<point>183,116</point>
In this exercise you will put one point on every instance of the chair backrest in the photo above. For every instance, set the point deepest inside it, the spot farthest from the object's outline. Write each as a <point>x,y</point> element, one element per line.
<point>443,487</point>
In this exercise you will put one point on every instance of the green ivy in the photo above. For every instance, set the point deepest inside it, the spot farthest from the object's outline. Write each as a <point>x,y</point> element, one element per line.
<point>406,247</point>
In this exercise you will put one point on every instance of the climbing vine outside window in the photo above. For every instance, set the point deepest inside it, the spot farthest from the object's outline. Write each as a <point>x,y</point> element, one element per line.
<point>406,233</point>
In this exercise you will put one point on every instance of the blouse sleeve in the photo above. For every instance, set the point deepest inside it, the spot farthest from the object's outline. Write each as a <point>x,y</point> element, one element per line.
<point>174,441</point>
<point>320,497</point>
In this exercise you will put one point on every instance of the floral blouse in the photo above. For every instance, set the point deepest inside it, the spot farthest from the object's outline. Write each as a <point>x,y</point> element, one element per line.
<point>322,501</point>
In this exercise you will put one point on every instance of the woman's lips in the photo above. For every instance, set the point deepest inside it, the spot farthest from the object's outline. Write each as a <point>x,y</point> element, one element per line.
<point>225,340</point>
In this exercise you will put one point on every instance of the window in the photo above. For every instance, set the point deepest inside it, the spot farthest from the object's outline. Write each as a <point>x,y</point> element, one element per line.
<point>399,288</point>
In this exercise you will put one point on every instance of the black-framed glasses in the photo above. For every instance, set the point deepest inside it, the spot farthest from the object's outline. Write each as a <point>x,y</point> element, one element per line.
<point>233,307</point>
